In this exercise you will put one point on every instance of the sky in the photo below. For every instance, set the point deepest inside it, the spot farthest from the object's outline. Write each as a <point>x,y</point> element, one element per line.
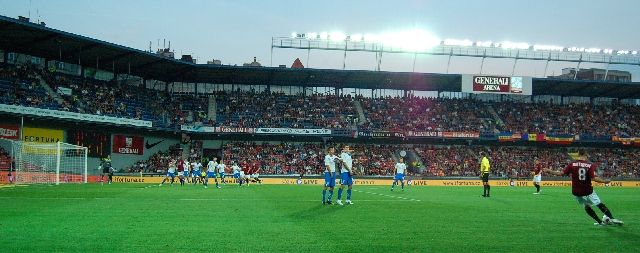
<point>236,31</point>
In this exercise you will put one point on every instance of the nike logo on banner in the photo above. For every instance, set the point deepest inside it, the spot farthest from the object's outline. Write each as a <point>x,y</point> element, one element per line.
<point>149,146</point>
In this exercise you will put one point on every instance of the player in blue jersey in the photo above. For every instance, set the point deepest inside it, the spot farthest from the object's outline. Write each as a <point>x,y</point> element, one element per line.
<point>401,167</point>
<point>346,175</point>
<point>329,175</point>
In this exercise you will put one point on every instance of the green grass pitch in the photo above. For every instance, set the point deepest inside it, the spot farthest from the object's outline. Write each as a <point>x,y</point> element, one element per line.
<point>290,218</point>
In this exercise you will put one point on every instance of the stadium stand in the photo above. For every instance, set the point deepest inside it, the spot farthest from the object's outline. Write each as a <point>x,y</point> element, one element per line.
<point>272,109</point>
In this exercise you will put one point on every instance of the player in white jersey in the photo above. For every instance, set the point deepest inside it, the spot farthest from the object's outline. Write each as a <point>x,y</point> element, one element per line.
<point>346,175</point>
<point>238,174</point>
<point>183,171</point>
<point>196,174</point>
<point>401,168</point>
<point>171,172</point>
<point>329,175</point>
<point>187,172</point>
<point>211,173</point>
<point>221,168</point>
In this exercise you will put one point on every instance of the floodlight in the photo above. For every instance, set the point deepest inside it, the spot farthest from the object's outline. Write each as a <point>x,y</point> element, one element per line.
<point>514,45</point>
<point>293,34</point>
<point>370,37</point>
<point>337,36</point>
<point>413,40</point>
<point>593,50</point>
<point>324,35</point>
<point>454,42</point>
<point>547,48</point>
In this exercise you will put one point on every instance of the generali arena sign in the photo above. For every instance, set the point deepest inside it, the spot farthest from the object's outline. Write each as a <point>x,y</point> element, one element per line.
<point>517,85</point>
<point>388,182</point>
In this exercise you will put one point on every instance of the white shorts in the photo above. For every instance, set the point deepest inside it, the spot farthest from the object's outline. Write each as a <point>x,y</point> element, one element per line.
<point>255,175</point>
<point>537,178</point>
<point>589,200</point>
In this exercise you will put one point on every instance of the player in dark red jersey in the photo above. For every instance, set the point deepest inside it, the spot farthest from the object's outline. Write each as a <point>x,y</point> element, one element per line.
<point>537,176</point>
<point>582,172</point>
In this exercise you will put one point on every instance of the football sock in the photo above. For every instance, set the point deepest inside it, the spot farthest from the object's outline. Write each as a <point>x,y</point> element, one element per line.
<point>592,214</point>
<point>393,185</point>
<point>348,194</point>
<point>340,193</point>
<point>324,195</point>
<point>163,180</point>
<point>172,179</point>
<point>605,210</point>
<point>488,190</point>
<point>402,182</point>
<point>537,187</point>
<point>330,195</point>
<point>110,176</point>
<point>484,193</point>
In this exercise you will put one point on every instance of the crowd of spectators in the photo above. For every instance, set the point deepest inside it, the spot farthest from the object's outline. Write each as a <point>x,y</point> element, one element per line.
<point>307,158</point>
<point>425,114</point>
<point>158,162</point>
<point>273,109</point>
<point>19,85</point>
<point>595,120</point>
<point>5,160</point>
<point>379,160</point>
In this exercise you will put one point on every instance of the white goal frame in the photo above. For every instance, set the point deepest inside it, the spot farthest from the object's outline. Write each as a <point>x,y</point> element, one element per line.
<point>47,163</point>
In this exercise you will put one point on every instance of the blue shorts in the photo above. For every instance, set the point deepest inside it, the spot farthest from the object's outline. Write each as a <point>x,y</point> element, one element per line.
<point>236,175</point>
<point>211,174</point>
<point>399,176</point>
<point>171,174</point>
<point>196,173</point>
<point>346,179</point>
<point>221,174</point>
<point>329,179</point>
<point>185,173</point>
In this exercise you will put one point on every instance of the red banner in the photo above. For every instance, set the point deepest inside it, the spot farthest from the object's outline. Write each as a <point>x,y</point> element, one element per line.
<point>9,132</point>
<point>128,144</point>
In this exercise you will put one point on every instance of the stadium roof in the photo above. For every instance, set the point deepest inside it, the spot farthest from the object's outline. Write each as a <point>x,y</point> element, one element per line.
<point>34,39</point>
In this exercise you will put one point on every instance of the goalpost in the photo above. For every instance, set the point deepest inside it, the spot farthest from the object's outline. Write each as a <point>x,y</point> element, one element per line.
<point>47,163</point>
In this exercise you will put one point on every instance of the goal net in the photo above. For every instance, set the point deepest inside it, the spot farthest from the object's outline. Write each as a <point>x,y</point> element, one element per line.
<point>48,163</point>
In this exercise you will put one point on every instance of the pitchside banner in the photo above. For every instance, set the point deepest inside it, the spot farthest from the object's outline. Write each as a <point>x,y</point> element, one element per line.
<point>42,135</point>
<point>127,144</point>
<point>388,182</point>
<point>9,132</point>
<point>516,85</point>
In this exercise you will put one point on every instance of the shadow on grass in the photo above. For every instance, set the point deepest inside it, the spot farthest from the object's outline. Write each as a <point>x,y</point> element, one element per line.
<point>316,211</point>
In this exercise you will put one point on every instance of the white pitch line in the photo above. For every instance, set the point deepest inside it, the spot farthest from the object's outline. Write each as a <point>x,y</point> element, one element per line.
<point>294,200</point>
